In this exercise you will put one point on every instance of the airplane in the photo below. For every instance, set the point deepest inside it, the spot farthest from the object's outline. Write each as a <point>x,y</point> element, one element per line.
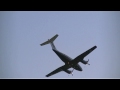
<point>69,62</point>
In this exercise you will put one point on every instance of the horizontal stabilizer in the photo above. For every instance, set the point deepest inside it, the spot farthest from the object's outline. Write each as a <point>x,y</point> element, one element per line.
<point>50,40</point>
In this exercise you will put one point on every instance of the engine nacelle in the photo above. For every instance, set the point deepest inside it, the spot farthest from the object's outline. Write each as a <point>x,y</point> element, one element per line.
<point>67,71</point>
<point>84,62</point>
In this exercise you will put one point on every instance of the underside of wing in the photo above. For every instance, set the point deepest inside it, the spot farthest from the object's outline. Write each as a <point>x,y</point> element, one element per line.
<point>81,56</point>
<point>62,68</point>
<point>54,72</point>
<point>67,71</point>
<point>88,52</point>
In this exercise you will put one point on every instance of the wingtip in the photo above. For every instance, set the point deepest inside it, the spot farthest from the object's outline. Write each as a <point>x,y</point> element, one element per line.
<point>56,34</point>
<point>46,75</point>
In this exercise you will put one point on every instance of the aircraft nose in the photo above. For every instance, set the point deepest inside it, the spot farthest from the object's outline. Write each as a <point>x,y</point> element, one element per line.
<point>80,69</point>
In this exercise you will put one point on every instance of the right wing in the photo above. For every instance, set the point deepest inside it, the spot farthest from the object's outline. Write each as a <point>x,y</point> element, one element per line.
<point>62,68</point>
<point>87,52</point>
<point>81,56</point>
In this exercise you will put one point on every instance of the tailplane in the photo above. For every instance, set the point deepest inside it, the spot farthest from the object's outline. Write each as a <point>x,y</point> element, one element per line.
<point>50,41</point>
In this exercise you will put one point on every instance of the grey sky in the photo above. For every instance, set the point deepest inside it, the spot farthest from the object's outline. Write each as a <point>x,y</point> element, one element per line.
<point>22,32</point>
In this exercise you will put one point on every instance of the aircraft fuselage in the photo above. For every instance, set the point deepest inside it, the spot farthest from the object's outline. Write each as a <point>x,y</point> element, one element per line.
<point>67,60</point>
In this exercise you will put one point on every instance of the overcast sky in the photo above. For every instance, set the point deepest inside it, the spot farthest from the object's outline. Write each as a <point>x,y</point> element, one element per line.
<point>22,32</point>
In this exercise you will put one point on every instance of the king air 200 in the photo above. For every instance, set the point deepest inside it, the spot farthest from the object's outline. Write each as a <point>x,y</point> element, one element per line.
<point>69,62</point>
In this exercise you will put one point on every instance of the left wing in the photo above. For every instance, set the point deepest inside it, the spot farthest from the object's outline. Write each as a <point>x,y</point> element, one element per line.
<point>81,56</point>
<point>55,71</point>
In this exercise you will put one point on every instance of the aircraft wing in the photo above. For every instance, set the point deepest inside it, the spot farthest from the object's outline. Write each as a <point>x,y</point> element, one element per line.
<point>55,71</point>
<point>81,56</point>
<point>62,68</point>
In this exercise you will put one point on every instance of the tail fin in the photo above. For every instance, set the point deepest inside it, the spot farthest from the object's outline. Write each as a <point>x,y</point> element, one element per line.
<point>50,41</point>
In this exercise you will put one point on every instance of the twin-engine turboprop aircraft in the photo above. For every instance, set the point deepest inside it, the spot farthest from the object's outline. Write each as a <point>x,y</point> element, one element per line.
<point>69,62</point>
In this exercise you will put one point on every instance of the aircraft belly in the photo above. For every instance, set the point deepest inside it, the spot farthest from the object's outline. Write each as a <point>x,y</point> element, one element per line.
<point>62,56</point>
<point>68,61</point>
